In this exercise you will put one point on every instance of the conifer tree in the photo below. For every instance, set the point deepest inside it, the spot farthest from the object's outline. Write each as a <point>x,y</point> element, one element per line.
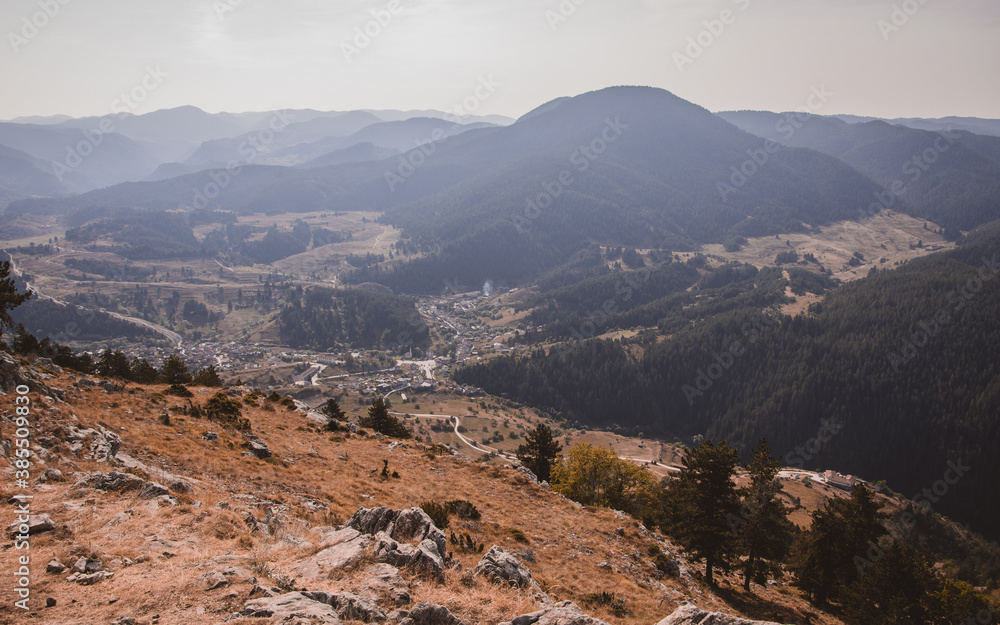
<point>379,419</point>
<point>700,502</point>
<point>335,415</point>
<point>763,530</point>
<point>539,451</point>
<point>9,297</point>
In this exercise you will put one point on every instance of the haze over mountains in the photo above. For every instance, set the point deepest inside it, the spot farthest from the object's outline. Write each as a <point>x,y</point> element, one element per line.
<point>125,147</point>
<point>623,166</point>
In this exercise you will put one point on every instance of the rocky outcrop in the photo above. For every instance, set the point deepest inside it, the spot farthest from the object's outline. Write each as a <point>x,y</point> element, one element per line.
<point>688,614</point>
<point>101,445</point>
<point>152,490</point>
<point>293,607</point>
<point>112,482</point>
<point>501,567</point>
<point>562,613</point>
<point>349,606</point>
<point>384,584</point>
<point>343,548</point>
<point>424,558</point>
<point>412,525</point>
<point>427,613</point>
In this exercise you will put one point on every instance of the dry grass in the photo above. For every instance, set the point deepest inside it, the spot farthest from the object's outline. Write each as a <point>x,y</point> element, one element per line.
<point>568,543</point>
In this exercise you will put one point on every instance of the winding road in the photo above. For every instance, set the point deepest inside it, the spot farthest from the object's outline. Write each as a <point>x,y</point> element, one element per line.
<point>169,334</point>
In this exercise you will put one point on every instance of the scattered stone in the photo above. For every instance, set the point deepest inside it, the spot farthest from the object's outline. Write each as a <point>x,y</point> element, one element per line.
<point>214,579</point>
<point>152,490</point>
<point>79,566</point>
<point>50,602</point>
<point>180,486</point>
<point>124,620</point>
<point>211,437</point>
<point>562,613</point>
<point>37,524</point>
<point>257,448</point>
<point>428,613</point>
<point>89,579</point>
<point>51,475</point>
<point>93,566</point>
<point>396,444</point>
<point>55,566</point>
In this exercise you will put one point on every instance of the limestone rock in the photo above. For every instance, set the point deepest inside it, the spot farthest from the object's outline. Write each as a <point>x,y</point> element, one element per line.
<point>562,613</point>
<point>384,584</point>
<point>290,608</point>
<point>152,490</point>
<point>501,567</point>
<point>343,548</point>
<point>350,606</point>
<point>37,524</point>
<point>412,525</point>
<point>429,613</point>
<point>258,448</point>
<point>112,482</point>
<point>423,558</point>
<point>55,566</point>
<point>689,614</point>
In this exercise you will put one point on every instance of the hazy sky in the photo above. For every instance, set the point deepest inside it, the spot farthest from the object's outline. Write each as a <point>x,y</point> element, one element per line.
<point>932,58</point>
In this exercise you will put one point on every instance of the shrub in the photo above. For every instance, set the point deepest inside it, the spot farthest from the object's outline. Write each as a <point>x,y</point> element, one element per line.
<point>179,390</point>
<point>465,543</point>
<point>606,599</point>
<point>227,411</point>
<point>463,509</point>
<point>437,513</point>
<point>208,377</point>
<point>518,535</point>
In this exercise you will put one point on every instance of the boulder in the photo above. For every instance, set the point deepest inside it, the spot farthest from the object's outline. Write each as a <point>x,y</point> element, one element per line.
<point>424,558</point>
<point>689,614</point>
<point>292,607</point>
<point>113,482</point>
<point>103,445</point>
<point>343,548</point>
<point>350,606</point>
<point>501,567</point>
<point>37,524</point>
<point>152,490</point>
<point>412,525</point>
<point>562,613</point>
<point>428,613</point>
<point>258,448</point>
<point>384,584</point>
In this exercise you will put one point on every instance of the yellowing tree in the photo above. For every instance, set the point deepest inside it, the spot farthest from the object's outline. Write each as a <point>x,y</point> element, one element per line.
<point>596,476</point>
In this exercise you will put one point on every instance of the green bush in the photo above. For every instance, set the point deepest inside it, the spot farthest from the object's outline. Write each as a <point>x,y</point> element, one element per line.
<point>437,513</point>
<point>227,411</point>
<point>463,509</point>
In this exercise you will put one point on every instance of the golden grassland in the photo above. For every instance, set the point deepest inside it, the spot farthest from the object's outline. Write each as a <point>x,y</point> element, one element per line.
<point>569,542</point>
